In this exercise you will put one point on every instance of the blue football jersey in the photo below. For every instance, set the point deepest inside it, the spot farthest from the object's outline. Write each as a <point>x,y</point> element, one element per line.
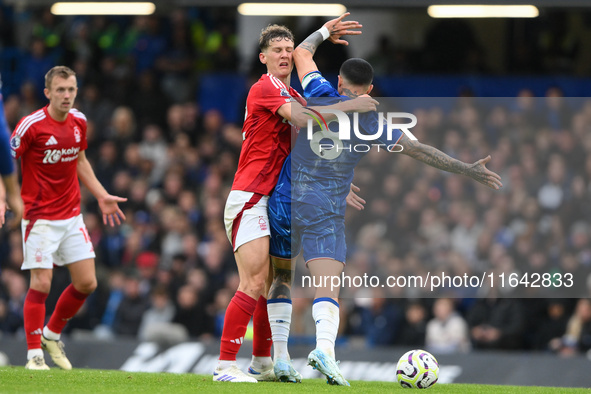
<point>6,163</point>
<point>320,168</point>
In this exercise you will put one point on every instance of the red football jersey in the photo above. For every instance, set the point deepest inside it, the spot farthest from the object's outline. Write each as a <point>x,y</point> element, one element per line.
<point>267,136</point>
<point>49,155</point>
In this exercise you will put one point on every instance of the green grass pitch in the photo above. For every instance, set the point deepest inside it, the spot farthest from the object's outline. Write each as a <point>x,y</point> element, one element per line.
<point>20,380</point>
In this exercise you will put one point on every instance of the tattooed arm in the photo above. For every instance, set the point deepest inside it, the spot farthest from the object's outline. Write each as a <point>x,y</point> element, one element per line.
<point>304,53</point>
<point>436,158</point>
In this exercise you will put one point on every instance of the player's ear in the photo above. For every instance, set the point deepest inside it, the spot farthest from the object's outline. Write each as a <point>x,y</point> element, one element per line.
<point>369,89</point>
<point>263,58</point>
<point>46,92</point>
<point>340,82</point>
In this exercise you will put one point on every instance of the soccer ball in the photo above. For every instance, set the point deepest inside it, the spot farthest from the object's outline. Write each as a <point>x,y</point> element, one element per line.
<point>417,369</point>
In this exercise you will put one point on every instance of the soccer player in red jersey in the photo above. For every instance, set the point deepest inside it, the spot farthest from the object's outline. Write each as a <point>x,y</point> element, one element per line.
<point>51,143</point>
<point>272,107</point>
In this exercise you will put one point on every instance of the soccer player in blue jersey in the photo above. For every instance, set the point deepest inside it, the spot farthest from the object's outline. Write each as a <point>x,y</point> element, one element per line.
<point>307,208</point>
<point>9,188</point>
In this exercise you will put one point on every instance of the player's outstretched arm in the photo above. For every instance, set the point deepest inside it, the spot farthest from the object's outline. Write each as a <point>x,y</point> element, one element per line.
<point>298,115</point>
<point>332,30</point>
<point>13,198</point>
<point>436,158</point>
<point>108,204</point>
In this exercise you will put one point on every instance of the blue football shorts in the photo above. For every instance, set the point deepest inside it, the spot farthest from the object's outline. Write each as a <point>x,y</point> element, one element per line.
<point>295,226</point>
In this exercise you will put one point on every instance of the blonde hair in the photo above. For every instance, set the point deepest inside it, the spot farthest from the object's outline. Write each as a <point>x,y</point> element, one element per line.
<point>58,71</point>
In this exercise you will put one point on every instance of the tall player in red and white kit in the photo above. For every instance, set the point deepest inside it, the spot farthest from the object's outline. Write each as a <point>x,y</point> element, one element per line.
<point>51,143</point>
<point>272,107</point>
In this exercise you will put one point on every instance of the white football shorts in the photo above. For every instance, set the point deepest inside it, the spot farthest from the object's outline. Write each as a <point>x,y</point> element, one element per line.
<point>59,242</point>
<point>245,217</point>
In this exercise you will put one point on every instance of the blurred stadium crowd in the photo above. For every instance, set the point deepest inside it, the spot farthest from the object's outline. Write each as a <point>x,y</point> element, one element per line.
<point>168,273</point>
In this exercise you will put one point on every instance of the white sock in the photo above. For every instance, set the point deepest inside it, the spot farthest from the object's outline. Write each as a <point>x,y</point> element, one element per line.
<point>279,310</point>
<point>326,315</point>
<point>223,364</point>
<point>261,363</point>
<point>34,352</point>
<point>47,333</point>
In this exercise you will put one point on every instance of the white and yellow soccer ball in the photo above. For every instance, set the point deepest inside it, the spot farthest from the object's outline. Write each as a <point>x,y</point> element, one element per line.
<point>417,369</point>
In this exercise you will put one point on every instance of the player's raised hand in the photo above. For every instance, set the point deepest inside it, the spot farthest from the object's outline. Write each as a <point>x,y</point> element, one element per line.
<point>112,214</point>
<point>338,27</point>
<point>354,200</point>
<point>480,173</point>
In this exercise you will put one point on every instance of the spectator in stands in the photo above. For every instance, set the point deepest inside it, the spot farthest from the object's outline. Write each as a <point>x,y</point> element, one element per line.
<point>496,323</point>
<point>11,309</point>
<point>413,330</point>
<point>97,107</point>
<point>221,48</point>
<point>379,321</point>
<point>464,236</point>
<point>153,147</point>
<point>192,314</point>
<point>447,332</point>
<point>146,264</point>
<point>558,114</point>
<point>177,61</point>
<point>552,194</point>
<point>122,129</point>
<point>131,308</point>
<point>107,163</point>
<point>552,325</point>
<point>49,29</point>
<point>156,324</point>
<point>148,102</point>
<point>116,283</point>
<point>35,64</point>
<point>150,43</point>
<point>577,337</point>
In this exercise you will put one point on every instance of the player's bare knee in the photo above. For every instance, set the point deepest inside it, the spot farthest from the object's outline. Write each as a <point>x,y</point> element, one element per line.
<point>41,285</point>
<point>254,286</point>
<point>258,286</point>
<point>86,287</point>
<point>41,281</point>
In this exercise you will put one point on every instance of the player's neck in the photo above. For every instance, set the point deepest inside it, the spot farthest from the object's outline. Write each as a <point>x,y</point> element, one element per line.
<point>286,79</point>
<point>57,115</point>
<point>351,91</point>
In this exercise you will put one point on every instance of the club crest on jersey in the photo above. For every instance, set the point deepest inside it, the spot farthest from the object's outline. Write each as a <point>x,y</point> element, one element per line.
<point>15,142</point>
<point>262,223</point>
<point>38,256</point>
<point>77,133</point>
